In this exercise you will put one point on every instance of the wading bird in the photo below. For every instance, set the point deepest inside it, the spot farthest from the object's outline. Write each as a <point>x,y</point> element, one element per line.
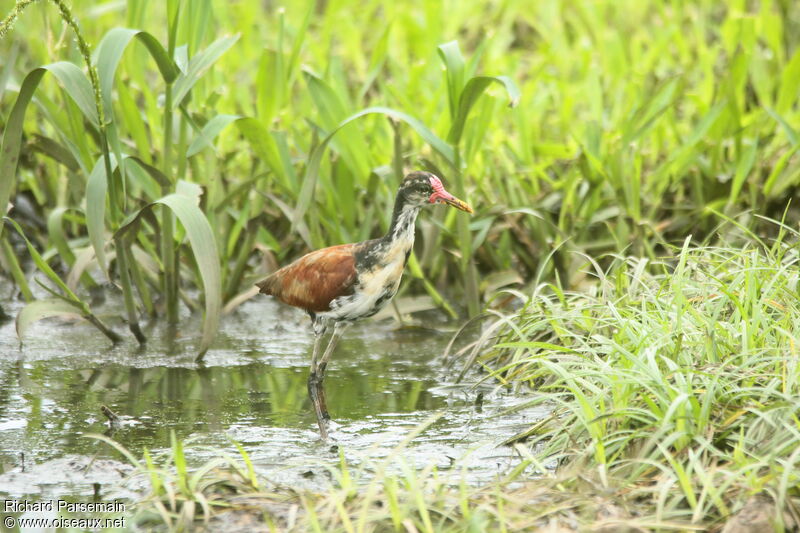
<point>341,284</point>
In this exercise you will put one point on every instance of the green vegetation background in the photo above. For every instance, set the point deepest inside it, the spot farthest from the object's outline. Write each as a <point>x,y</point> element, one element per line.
<point>638,123</point>
<point>263,130</point>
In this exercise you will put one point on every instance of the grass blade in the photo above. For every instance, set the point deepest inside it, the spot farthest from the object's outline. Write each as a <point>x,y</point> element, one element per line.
<point>77,85</point>
<point>198,65</point>
<point>454,67</point>
<point>204,249</point>
<point>209,132</point>
<point>39,309</point>
<point>472,91</point>
<point>12,138</point>
<point>110,50</point>
<point>96,188</point>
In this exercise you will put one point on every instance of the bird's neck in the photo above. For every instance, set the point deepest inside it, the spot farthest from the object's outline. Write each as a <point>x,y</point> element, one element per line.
<point>404,217</point>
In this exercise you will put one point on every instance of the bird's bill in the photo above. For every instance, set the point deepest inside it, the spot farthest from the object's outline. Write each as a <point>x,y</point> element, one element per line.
<point>441,195</point>
<point>455,202</point>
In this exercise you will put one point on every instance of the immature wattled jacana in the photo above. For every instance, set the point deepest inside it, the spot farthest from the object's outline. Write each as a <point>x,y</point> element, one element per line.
<point>341,284</point>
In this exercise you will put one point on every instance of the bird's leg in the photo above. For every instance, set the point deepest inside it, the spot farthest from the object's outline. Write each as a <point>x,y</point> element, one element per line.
<point>338,330</point>
<point>314,381</point>
<point>318,334</point>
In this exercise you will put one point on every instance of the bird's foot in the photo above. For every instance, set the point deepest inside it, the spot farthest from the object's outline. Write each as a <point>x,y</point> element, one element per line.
<point>329,430</point>
<point>317,395</point>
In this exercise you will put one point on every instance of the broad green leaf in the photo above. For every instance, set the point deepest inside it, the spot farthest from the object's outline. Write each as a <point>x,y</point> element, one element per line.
<point>190,190</point>
<point>472,91</point>
<point>271,84</point>
<point>262,141</point>
<point>350,143</point>
<point>181,57</point>
<point>96,187</point>
<point>454,68</point>
<point>198,65</point>
<point>12,137</point>
<point>39,309</point>
<point>204,249</point>
<point>154,173</point>
<point>133,118</point>
<point>78,87</point>
<point>110,50</point>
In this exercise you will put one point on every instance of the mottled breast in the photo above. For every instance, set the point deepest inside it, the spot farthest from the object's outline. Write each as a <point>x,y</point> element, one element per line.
<point>380,267</point>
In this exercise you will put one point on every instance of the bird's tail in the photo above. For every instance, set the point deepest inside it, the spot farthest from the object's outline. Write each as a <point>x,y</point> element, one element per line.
<point>268,285</point>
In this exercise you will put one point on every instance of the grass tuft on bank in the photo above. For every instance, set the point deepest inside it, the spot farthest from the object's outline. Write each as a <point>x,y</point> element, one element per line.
<point>678,390</point>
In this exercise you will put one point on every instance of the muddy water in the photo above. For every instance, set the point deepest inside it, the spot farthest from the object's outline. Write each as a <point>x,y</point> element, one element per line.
<point>382,383</point>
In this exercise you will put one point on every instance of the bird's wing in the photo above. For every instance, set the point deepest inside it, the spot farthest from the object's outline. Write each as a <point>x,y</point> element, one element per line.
<point>315,279</point>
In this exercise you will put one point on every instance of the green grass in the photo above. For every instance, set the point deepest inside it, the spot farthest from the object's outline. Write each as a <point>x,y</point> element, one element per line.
<point>677,389</point>
<point>636,123</point>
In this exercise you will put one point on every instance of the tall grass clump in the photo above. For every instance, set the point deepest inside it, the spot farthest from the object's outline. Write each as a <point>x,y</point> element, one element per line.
<point>113,201</point>
<point>678,389</point>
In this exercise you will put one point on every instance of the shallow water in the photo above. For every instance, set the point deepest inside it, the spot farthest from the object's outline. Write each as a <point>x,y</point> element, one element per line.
<point>382,383</point>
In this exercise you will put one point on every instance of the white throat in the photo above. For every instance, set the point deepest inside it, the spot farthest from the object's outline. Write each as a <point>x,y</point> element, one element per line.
<point>403,228</point>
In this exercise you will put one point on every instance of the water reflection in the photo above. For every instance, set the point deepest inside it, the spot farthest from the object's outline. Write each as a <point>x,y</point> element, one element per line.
<point>251,387</point>
<point>61,404</point>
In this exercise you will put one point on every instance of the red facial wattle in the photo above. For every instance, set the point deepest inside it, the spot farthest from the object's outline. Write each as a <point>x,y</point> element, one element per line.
<point>441,195</point>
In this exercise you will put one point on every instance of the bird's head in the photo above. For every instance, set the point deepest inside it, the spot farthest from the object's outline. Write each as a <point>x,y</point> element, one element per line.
<point>421,188</point>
